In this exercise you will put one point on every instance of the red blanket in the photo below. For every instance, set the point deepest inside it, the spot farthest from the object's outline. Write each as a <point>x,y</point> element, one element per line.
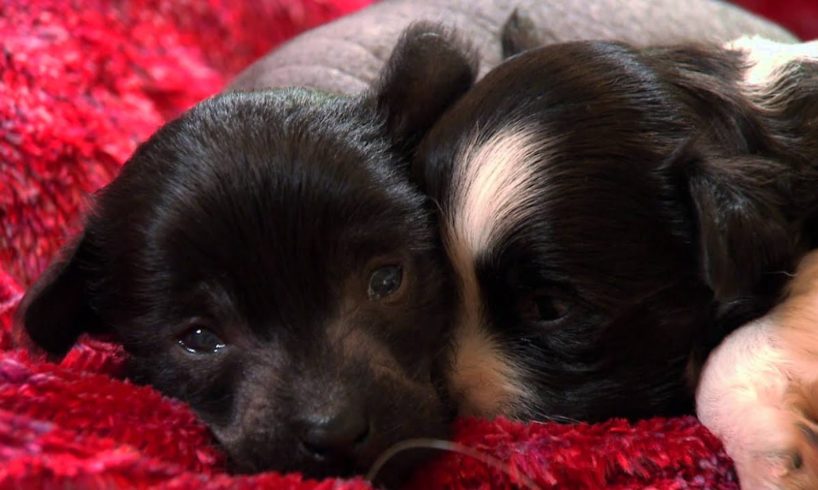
<point>81,83</point>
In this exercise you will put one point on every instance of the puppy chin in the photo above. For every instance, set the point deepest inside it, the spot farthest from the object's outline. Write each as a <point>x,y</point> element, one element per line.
<point>392,464</point>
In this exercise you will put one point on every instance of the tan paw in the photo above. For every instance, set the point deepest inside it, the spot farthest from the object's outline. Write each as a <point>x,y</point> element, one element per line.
<point>790,462</point>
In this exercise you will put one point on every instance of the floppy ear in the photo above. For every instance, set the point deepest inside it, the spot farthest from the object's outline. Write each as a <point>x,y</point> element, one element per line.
<point>56,310</point>
<point>744,239</point>
<point>741,178</point>
<point>429,69</point>
<point>519,34</point>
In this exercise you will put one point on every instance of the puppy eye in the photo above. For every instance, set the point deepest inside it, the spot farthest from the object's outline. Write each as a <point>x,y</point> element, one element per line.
<point>541,307</point>
<point>198,340</point>
<point>385,281</point>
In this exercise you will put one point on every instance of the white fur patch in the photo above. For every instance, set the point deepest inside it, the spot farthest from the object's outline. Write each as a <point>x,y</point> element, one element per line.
<point>493,183</point>
<point>769,60</point>
<point>494,186</point>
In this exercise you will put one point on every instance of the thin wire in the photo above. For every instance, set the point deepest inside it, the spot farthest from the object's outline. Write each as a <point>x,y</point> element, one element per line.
<point>443,445</point>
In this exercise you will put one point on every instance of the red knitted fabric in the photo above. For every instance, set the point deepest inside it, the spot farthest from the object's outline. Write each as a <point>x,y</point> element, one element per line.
<point>81,83</point>
<point>799,16</point>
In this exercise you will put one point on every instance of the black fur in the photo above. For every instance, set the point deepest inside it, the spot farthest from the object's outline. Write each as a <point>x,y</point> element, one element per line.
<point>519,33</point>
<point>259,217</point>
<point>670,208</point>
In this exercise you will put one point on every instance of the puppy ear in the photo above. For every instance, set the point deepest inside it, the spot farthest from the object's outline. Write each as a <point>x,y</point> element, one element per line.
<point>519,34</point>
<point>741,168</point>
<point>744,240</point>
<point>55,310</point>
<point>429,69</point>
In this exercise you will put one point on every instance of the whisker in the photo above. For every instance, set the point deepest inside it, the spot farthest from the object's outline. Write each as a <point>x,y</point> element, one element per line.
<point>443,445</point>
<point>562,419</point>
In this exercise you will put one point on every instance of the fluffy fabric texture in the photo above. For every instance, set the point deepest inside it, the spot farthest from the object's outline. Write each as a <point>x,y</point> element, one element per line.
<point>81,83</point>
<point>799,16</point>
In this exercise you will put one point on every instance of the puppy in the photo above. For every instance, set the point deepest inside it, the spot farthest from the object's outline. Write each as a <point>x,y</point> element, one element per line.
<point>612,212</point>
<point>265,259</point>
<point>759,391</point>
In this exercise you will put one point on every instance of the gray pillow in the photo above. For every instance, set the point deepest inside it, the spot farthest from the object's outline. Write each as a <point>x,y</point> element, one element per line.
<point>344,56</point>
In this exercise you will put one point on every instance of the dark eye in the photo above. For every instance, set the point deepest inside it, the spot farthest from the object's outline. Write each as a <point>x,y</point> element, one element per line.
<point>384,281</point>
<point>199,340</point>
<point>541,307</point>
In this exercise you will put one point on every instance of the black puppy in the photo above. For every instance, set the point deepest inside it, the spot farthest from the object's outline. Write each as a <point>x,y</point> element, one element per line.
<point>612,212</point>
<point>265,259</point>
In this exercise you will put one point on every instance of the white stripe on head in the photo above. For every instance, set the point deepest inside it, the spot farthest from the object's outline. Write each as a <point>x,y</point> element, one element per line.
<point>493,189</point>
<point>493,186</point>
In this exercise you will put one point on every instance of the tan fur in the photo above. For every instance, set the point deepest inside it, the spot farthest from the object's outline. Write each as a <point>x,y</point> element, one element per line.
<point>759,391</point>
<point>357,345</point>
<point>492,182</point>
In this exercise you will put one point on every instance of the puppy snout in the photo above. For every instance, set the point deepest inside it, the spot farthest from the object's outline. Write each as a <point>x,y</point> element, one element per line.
<point>337,435</point>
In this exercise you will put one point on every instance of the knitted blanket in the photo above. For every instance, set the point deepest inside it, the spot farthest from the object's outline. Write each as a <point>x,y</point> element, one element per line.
<point>81,83</point>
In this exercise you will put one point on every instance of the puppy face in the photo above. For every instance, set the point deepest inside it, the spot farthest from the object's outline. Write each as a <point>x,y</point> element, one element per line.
<point>265,259</point>
<point>610,212</point>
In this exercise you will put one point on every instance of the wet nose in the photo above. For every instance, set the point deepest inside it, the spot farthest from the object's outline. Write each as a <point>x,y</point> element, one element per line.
<point>339,434</point>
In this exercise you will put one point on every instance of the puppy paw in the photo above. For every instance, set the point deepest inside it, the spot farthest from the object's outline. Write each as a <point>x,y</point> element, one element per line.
<point>789,460</point>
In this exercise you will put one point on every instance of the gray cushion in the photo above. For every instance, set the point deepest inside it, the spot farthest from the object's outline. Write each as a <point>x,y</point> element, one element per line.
<point>344,56</point>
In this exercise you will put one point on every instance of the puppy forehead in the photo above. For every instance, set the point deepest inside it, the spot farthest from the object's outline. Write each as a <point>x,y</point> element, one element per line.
<point>528,178</point>
<point>265,193</point>
<point>551,170</point>
<point>269,153</point>
<point>286,129</point>
<point>494,184</point>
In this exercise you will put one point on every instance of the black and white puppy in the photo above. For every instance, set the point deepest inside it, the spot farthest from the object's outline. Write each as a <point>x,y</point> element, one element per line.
<point>612,212</point>
<point>265,259</point>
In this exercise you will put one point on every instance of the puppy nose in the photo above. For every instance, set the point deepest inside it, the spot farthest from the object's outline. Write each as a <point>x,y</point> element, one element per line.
<point>337,435</point>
